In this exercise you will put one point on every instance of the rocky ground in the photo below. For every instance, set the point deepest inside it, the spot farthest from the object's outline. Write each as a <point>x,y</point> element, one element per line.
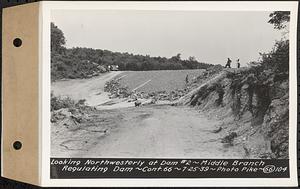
<point>117,90</point>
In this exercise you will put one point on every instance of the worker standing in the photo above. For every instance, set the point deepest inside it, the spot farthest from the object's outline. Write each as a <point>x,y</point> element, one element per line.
<point>238,63</point>
<point>228,64</point>
<point>187,79</point>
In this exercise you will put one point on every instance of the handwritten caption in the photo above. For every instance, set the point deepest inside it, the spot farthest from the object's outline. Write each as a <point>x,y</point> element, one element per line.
<point>97,168</point>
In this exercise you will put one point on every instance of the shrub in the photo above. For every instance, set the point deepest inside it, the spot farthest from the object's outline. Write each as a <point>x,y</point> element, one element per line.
<point>59,102</point>
<point>278,59</point>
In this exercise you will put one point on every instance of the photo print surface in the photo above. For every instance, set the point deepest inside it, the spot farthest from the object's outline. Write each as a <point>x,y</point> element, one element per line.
<point>132,83</point>
<point>149,94</point>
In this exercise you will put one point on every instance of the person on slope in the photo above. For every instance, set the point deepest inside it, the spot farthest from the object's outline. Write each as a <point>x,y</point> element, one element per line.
<point>238,63</point>
<point>187,79</point>
<point>228,64</point>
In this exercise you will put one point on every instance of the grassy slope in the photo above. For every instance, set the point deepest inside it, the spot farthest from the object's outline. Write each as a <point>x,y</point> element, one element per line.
<point>163,80</point>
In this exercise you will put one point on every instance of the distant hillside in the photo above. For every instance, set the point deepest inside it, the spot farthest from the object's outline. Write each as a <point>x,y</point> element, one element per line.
<point>85,62</point>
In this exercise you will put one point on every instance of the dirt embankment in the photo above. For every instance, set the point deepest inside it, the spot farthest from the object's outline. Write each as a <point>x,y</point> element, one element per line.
<point>252,107</point>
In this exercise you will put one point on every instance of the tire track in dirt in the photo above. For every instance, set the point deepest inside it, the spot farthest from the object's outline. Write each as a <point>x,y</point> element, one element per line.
<point>90,89</point>
<point>159,131</point>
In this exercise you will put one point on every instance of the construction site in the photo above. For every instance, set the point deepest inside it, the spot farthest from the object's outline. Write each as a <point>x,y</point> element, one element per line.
<point>217,113</point>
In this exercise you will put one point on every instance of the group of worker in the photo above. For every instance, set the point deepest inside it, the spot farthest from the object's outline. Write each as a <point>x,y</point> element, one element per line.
<point>228,64</point>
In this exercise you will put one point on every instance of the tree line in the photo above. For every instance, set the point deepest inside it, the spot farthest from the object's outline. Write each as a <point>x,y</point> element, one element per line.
<point>78,62</point>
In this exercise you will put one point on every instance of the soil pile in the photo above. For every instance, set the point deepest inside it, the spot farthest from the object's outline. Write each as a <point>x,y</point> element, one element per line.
<point>77,128</point>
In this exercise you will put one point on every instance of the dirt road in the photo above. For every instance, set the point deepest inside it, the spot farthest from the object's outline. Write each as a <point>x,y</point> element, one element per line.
<point>89,89</point>
<point>149,131</point>
<point>123,131</point>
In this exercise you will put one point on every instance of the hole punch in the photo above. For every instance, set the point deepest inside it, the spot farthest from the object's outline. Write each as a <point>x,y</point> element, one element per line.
<point>17,42</point>
<point>17,145</point>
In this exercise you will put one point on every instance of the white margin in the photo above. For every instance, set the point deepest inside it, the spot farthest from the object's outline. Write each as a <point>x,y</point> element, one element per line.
<point>40,96</point>
<point>47,7</point>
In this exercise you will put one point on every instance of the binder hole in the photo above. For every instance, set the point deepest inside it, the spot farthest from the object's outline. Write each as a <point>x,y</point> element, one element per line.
<point>17,145</point>
<point>17,42</point>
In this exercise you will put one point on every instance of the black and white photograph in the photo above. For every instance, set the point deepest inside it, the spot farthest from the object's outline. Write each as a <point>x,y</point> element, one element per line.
<point>170,84</point>
<point>150,94</point>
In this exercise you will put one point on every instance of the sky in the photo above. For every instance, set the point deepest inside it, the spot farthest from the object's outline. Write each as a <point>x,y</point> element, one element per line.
<point>209,36</point>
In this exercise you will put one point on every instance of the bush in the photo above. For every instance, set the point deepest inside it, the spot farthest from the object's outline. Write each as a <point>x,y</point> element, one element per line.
<point>59,102</point>
<point>278,59</point>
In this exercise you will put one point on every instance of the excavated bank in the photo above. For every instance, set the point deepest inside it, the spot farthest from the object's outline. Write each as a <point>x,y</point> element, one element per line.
<point>252,106</point>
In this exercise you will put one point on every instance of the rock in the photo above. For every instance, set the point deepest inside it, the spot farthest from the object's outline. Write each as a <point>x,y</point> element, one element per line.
<point>217,130</point>
<point>229,138</point>
<point>64,111</point>
<point>116,90</point>
<point>137,103</point>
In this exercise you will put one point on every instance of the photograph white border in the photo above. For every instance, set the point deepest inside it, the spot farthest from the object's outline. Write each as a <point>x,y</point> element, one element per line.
<point>45,86</point>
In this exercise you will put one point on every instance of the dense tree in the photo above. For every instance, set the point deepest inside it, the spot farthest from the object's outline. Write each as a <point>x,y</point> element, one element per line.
<point>176,58</point>
<point>192,59</point>
<point>83,62</point>
<point>57,39</point>
<point>277,59</point>
<point>279,19</point>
